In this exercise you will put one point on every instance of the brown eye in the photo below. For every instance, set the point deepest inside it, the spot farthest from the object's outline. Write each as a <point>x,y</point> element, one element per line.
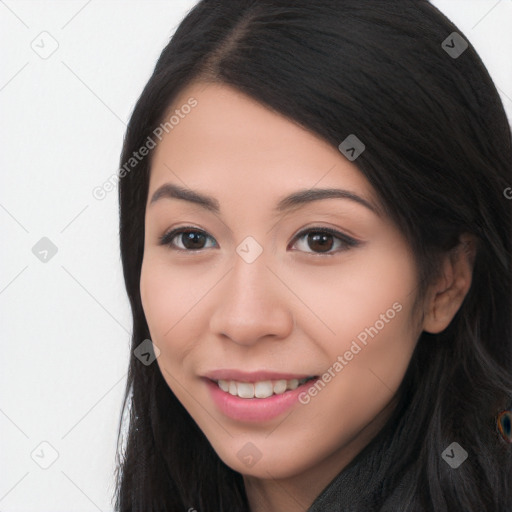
<point>191,239</point>
<point>322,240</point>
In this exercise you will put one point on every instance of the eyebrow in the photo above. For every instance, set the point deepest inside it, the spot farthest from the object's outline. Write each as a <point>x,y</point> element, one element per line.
<point>297,199</point>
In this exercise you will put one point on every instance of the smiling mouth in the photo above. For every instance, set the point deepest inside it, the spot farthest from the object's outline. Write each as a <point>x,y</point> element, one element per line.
<point>261,389</point>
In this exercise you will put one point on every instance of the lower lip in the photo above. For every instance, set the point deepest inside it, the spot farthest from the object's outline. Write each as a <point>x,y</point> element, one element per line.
<point>255,409</point>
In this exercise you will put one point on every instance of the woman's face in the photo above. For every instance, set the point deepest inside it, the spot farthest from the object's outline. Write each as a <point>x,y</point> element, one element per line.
<point>254,295</point>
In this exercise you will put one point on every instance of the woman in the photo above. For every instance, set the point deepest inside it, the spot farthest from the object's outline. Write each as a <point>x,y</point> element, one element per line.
<point>316,240</point>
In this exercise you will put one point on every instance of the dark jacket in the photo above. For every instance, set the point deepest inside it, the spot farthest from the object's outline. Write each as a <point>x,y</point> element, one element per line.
<point>381,463</point>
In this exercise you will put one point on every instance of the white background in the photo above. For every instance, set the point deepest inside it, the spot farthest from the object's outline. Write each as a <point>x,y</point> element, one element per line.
<point>66,323</point>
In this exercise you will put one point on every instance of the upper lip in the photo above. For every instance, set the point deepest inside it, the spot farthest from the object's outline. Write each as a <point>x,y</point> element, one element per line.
<point>255,376</point>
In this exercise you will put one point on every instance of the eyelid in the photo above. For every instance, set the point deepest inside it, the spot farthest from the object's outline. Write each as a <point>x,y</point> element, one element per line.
<point>169,235</point>
<point>347,240</point>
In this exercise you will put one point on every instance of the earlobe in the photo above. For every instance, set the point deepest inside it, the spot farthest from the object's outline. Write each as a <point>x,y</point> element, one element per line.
<point>446,295</point>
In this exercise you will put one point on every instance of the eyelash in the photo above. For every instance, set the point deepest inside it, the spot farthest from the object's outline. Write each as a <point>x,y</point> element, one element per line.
<point>347,242</point>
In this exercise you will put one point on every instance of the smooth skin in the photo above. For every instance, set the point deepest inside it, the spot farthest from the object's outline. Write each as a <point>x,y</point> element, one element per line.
<point>294,309</point>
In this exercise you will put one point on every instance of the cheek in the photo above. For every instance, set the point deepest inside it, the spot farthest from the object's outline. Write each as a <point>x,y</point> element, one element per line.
<point>155,297</point>
<point>165,298</point>
<point>374,324</point>
<point>378,313</point>
<point>348,298</point>
<point>171,300</point>
<point>369,307</point>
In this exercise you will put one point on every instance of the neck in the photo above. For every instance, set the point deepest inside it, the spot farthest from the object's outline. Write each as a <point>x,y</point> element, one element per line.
<point>298,492</point>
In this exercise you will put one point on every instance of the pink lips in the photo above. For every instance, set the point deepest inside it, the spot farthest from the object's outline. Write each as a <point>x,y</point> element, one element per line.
<point>253,409</point>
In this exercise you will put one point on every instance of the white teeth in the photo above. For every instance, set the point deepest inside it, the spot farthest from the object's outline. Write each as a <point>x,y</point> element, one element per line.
<point>280,387</point>
<point>293,384</point>
<point>245,390</point>
<point>261,389</point>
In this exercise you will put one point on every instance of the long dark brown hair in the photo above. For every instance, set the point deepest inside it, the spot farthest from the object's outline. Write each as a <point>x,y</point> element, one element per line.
<point>439,156</point>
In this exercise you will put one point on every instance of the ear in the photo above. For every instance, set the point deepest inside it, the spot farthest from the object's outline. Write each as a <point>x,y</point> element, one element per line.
<point>446,295</point>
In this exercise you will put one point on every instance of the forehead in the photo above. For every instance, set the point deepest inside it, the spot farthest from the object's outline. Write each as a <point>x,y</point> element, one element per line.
<point>231,145</point>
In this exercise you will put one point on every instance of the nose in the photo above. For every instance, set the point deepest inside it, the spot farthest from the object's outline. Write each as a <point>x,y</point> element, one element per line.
<point>251,304</point>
